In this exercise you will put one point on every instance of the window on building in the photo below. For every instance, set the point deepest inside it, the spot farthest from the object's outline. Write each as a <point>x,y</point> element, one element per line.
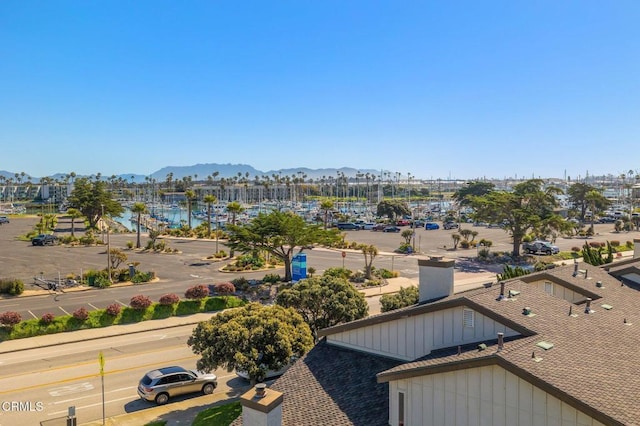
<point>401,409</point>
<point>468,318</point>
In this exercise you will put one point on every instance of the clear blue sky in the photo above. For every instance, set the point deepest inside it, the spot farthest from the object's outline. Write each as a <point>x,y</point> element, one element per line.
<point>435,88</point>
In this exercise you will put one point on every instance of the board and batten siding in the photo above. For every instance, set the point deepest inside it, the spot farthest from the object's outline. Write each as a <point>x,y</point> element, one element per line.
<point>413,337</point>
<point>484,396</point>
<point>559,291</point>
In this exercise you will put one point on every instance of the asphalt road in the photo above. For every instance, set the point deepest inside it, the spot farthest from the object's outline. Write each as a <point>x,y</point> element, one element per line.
<point>51,379</point>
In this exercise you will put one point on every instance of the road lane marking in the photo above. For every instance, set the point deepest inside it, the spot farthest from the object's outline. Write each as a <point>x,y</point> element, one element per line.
<point>62,309</point>
<point>69,389</point>
<point>95,405</point>
<point>123,304</point>
<point>92,306</point>
<point>93,395</point>
<point>32,314</point>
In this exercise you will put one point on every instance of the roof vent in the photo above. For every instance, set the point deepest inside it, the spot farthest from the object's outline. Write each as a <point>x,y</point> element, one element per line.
<point>587,309</point>
<point>527,311</point>
<point>534,357</point>
<point>501,297</point>
<point>544,345</point>
<point>436,257</point>
<point>500,341</point>
<point>599,284</point>
<point>482,347</point>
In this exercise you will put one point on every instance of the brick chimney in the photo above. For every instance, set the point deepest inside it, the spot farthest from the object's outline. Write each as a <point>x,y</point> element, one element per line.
<point>436,278</point>
<point>261,406</point>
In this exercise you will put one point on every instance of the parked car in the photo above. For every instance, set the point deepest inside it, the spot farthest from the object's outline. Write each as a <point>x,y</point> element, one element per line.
<point>270,374</point>
<point>418,223</point>
<point>43,239</point>
<point>450,225</point>
<point>391,228</point>
<point>403,222</point>
<point>379,227</point>
<point>164,383</point>
<point>4,219</point>
<point>347,226</point>
<point>367,226</point>
<point>543,247</point>
<point>431,225</point>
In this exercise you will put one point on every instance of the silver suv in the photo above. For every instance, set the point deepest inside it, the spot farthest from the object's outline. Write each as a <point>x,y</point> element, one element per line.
<point>164,383</point>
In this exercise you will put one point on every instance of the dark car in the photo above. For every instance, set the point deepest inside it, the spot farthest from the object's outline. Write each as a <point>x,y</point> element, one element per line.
<point>164,383</point>
<point>450,225</point>
<point>4,219</point>
<point>391,229</point>
<point>431,225</point>
<point>379,227</point>
<point>348,226</point>
<point>43,239</point>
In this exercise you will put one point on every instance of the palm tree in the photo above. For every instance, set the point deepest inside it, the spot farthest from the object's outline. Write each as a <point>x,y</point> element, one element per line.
<point>326,206</point>
<point>234,208</point>
<point>190,196</point>
<point>138,208</point>
<point>210,199</point>
<point>73,214</point>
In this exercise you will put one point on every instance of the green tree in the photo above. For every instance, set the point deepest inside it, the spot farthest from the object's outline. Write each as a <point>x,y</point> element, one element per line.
<point>407,234</point>
<point>324,302</point>
<point>209,200</point>
<point>326,206</point>
<point>116,257</point>
<point>392,208</point>
<point>405,297</point>
<point>370,252</point>
<point>582,197</point>
<point>234,208</point>
<point>139,209</point>
<point>253,338</point>
<point>278,233</point>
<point>190,195</point>
<point>527,207</point>
<point>90,196</point>
<point>74,214</point>
<point>596,202</point>
<point>476,188</point>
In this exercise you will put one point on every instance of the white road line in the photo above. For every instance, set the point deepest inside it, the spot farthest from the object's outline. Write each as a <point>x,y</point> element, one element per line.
<point>79,298</point>
<point>62,309</point>
<point>93,395</point>
<point>32,314</point>
<point>136,396</point>
<point>123,304</point>
<point>9,304</point>
<point>92,306</point>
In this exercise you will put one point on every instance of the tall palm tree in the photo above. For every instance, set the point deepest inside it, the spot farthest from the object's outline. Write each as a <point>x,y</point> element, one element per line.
<point>73,214</point>
<point>209,200</point>
<point>234,208</point>
<point>139,209</point>
<point>326,206</point>
<point>190,196</point>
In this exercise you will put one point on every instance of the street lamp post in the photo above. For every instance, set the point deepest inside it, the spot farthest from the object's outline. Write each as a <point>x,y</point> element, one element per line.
<point>105,226</point>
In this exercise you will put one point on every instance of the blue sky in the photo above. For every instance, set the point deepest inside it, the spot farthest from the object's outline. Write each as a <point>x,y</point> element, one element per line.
<point>438,89</point>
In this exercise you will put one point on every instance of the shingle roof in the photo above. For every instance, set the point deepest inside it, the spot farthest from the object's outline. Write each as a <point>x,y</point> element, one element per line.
<point>334,386</point>
<point>592,366</point>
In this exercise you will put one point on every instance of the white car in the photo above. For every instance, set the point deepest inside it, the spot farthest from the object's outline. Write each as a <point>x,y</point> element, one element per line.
<point>270,373</point>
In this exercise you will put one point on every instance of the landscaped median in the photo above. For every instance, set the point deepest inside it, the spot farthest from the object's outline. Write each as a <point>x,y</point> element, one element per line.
<point>141,308</point>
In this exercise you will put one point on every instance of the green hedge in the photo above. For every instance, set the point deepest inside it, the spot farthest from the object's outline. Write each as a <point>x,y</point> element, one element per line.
<point>100,318</point>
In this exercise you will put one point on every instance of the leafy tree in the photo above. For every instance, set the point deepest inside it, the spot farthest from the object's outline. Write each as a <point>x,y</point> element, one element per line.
<point>392,208</point>
<point>593,256</point>
<point>582,197</point>
<point>89,197</point>
<point>456,240</point>
<point>509,272</point>
<point>370,252</point>
<point>116,257</point>
<point>278,233</point>
<point>234,208</point>
<point>74,214</point>
<point>405,297</point>
<point>253,338</point>
<point>407,234</point>
<point>464,195</point>
<point>324,302</point>
<point>527,207</point>
<point>326,206</point>
<point>139,209</point>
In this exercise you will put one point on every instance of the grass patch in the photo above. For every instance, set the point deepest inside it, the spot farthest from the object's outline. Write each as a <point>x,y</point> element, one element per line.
<point>157,423</point>
<point>162,311</point>
<point>221,415</point>
<point>188,307</point>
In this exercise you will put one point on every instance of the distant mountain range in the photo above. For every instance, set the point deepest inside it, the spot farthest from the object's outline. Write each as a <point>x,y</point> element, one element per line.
<point>200,172</point>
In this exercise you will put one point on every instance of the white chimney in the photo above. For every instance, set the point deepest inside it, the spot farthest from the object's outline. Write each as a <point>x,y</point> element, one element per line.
<point>636,248</point>
<point>436,278</point>
<point>261,406</point>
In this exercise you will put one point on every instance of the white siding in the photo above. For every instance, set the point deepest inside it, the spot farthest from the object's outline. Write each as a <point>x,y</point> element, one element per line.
<point>559,291</point>
<point>416,336</point>
<point>486,396</point>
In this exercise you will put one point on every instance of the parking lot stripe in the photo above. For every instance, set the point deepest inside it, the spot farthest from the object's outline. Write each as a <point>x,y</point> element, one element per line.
<point>62,309</point>
<point>32,314</point>
<point>94,307</point>
<point>123,304</point>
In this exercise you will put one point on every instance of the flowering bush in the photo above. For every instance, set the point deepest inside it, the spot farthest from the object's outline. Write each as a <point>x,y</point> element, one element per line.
<point>114,309</point>
<point>169,299</point>
<point>225,288</point>
<point>197,292</point>
<point>81,314</point>
<point>47,319</point>
<point>10,318</point>
<point>140,302</point>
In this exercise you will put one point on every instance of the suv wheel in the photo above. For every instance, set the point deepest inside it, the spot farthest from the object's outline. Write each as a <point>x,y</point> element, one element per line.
<point>162,399</point>
<point>208,389</point>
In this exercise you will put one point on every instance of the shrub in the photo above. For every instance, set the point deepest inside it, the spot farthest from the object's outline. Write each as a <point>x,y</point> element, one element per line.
<point>197,292</point>
<point>113,309</point>
<point>10,318</point>
<point>465,244</point>
<point>225,288</point>
<point>47,319</point>
<point>485,243</point>
<point>271,278</point>
<point>129,245</point>
<point>140,302</point>
<point>102,281</point>
<point>221,254</point>
<point>405,297</point>
<point>337,273</point>
<point>81,314</point>
<point>385,273</point>
<point>615,243</point>
<point>142,277</point>
<point>241,283</point>
<point>575,249</point>
<point>13,287</point>
<point>169,299</point>
<point>595,244</point>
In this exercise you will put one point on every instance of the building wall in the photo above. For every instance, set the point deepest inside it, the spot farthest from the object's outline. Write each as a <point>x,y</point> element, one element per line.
<point>486,396</point>
<point>416,336</point>
<point>559,291</point>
